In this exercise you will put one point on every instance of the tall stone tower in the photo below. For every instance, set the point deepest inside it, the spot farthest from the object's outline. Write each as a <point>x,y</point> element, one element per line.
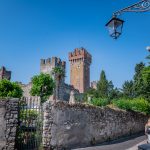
<point>47,65</point>
<point>80,61</point>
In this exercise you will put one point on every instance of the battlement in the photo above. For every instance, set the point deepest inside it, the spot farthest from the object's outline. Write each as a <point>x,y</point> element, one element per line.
<point>4,74</point>
<point>80,54</point>
<point>47,65</point>
<point>54,61</point>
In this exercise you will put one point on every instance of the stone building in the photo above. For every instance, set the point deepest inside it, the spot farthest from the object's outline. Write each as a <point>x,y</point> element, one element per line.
<point>47,65</point>
<point>94,84</point>
<point>80,61</point>
<point>26,89</point>
<point>63,89</point>
<point>4,74</point>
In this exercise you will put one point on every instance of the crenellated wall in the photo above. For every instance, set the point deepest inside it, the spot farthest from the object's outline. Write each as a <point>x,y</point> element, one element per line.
<point>47,65</point>
<point>78,125</point>
<point>79,54</point>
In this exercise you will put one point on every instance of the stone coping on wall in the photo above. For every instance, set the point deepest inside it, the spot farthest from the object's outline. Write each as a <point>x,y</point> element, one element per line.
<point>77,105</point>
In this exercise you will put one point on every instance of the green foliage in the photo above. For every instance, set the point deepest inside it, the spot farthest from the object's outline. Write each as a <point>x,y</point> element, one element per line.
<point>148,58</point>
<point>127,89</point>
<point>10,89</point>
<point>102,85</point>
<point>122,104</point>
<point>90,93</point>
<point>99,102</point>
<point>58,72</point>
<point>146,74</point>
<point>28,114</point>
<point>146,79</point>
<point>113,92</point>
<point>137,104</point>
<point>105,90</point>
<point>138,86</point>
<point>42,85</point>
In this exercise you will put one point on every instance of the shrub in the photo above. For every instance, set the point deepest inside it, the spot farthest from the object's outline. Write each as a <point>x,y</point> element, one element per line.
<point>137,104</point>
<point>99,102</point>
<point>28,114</point>
<point>122,104</point>
<point>10,89</point>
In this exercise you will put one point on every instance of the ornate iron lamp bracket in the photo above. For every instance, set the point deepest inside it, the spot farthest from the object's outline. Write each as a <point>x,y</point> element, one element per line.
<point>142,6</point>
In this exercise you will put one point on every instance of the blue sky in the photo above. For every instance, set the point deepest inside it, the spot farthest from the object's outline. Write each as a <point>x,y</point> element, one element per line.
<point>35,29</point>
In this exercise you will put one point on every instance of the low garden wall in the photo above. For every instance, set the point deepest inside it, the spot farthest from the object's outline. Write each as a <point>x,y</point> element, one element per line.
<point>8,123</point>
<point>72,126</point>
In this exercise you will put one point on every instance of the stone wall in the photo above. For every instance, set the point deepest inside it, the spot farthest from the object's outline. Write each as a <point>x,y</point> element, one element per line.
<point>26,89</point>
<point>71,126</point>
<point>64,91</point>
<point>8,123</point>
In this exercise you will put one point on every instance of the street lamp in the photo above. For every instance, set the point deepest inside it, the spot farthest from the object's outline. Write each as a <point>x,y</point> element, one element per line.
<point>148,48</point>
<point>115,25</point>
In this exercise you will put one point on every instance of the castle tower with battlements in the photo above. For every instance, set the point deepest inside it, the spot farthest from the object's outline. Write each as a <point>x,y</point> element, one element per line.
<point>47,65</point>
<point>80,61</point>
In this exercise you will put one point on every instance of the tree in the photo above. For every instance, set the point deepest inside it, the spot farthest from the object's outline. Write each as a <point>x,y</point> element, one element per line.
<point>138,85</point>
<point>110,90</point>
<point>10,89</point>
<point>146,79</point>
<point>102,85</point>
<point>148,57</point>
<point>42,85</point>
<point>90,93</point>
<point>59,74</point>
<point>127,89</point>
<point>115,94</point>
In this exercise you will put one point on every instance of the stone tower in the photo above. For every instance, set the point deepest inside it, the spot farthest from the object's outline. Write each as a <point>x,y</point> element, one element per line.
<point>47,65</point>
<point>80,61</point>
<point>4,74</point>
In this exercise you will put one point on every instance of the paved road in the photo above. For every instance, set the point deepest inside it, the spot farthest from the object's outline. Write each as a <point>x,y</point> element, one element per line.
<point>130,143</point>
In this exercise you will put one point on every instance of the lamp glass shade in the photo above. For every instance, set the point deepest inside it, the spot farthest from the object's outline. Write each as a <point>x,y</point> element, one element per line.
<point>115,26</point>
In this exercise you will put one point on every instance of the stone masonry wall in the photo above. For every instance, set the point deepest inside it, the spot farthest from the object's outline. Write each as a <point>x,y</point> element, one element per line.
<point>71,126</point>
<point>64,91</point>
<point>8,123</point>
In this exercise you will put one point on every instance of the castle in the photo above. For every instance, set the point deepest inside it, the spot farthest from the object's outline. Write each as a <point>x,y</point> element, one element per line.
<point>47,65</point>
<point>80,61</point>
<point>63,89</point>
<point>4,74</point>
